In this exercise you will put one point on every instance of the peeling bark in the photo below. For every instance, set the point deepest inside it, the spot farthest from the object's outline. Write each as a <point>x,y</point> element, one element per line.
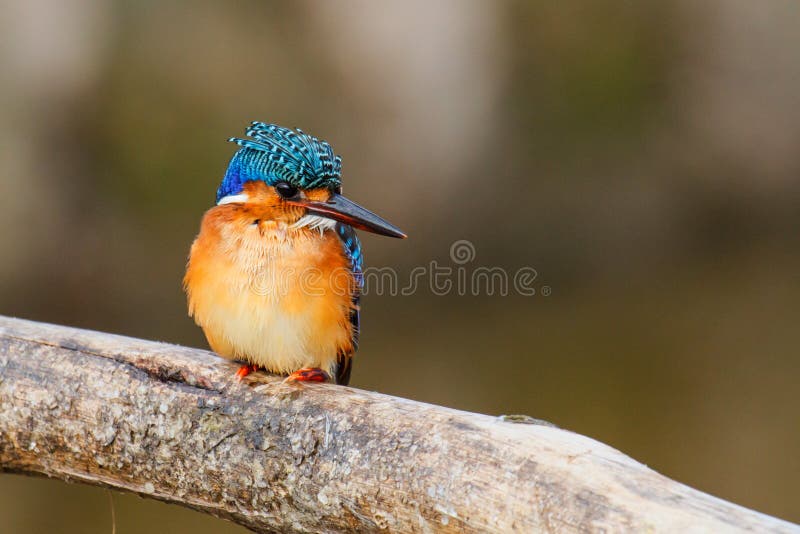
<point>171,423</point>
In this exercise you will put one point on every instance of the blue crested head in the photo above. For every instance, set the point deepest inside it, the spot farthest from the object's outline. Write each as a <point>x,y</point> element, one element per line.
<point>275,154</point>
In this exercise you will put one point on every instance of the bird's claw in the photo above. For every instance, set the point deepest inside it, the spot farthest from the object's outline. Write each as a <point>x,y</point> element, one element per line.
<point>308,374</point>
<point>245,370</point>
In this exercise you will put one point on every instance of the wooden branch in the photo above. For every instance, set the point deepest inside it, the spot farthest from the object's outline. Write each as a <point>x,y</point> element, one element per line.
<point>171,423</point>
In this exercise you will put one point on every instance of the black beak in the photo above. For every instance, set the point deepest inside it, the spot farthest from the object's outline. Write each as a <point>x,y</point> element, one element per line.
<point>345,210</point>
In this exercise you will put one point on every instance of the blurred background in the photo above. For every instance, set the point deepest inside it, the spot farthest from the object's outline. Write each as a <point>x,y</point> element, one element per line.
<point>643,157</point>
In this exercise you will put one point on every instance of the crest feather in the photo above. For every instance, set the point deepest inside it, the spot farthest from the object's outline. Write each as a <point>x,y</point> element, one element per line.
<point>273,154</point>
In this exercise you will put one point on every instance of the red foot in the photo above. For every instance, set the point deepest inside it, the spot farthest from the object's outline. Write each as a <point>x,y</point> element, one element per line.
<point>308,374</point>
<point>245,370</point>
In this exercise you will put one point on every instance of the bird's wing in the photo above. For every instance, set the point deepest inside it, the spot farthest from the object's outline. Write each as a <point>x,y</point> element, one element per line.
<point>352,247</point>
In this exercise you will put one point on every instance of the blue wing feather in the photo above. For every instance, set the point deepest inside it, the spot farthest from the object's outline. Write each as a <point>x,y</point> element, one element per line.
<point>352,247</point>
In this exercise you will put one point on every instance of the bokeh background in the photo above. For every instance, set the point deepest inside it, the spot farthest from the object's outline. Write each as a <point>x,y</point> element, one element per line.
<point>643,157</point>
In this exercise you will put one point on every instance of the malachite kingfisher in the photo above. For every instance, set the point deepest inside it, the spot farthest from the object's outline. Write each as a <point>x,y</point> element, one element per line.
<point>275,274</point>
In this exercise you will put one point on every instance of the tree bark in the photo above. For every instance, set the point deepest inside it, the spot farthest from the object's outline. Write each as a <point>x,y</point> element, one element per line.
<point>172,423</point>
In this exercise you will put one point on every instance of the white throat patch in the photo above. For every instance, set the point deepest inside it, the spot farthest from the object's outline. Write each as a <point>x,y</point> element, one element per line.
<point>315,222</point>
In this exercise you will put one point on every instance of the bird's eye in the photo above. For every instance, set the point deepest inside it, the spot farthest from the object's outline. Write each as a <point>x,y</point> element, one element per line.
<point>338,189</point>
<point>286,190</point>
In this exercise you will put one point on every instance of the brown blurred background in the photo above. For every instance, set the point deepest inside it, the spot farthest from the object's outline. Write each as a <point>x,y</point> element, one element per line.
<point>642,157</point>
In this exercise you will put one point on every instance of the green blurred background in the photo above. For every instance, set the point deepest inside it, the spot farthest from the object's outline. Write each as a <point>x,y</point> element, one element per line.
<point>643,157</point>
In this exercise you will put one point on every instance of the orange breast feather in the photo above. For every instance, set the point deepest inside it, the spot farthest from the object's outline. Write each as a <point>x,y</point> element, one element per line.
<point>269,294</point>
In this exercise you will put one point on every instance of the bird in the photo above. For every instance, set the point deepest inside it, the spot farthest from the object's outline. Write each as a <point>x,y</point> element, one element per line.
<point>275,274</point>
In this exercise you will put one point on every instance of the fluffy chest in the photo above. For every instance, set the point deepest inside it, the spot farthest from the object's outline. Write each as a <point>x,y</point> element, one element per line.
<point>271,295</point>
